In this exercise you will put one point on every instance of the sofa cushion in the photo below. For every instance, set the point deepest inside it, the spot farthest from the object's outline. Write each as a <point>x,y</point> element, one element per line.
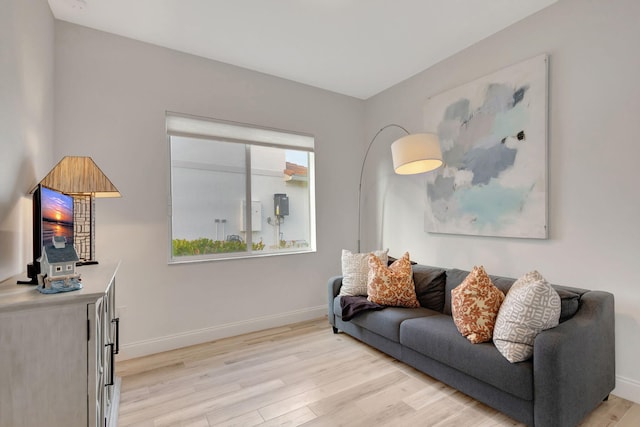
<point>531,306</point>
<point>437,337</point>
<point>569,303</point>
<point>387,322</point>
<point>475,304</point>
<point>355,269</point>
<point>393,285</point>
<point>430,283</point>
<point>454,278</point>
<point>502,283</point>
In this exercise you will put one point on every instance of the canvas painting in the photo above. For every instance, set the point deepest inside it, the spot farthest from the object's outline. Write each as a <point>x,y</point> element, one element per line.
<point>493,134</point>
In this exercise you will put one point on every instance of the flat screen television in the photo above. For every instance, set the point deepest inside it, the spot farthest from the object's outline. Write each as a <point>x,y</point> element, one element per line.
<point>52,216</point>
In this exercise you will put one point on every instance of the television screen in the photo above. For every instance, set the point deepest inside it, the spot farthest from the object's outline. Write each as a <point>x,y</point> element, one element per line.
<point>52,216</point>
<point>56,213</point>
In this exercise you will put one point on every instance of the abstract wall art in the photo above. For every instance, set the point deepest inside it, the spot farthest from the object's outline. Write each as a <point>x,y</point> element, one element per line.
<point>493,133</point>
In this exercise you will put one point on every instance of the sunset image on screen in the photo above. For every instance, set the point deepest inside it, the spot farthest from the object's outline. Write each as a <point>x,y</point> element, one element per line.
<point>56,207</point>
<point>57,216</point>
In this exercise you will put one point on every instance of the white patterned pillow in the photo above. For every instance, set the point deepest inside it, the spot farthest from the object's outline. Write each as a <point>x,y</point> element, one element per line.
<point>530,307</point>
<point>355,271</point>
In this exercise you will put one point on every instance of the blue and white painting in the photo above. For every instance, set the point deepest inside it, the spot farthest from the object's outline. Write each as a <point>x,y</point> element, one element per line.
<point>493,133</point>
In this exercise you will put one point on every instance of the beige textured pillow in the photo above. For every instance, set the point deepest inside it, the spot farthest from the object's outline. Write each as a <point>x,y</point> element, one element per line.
<point>531,306</point>
<point>392,285</point>
<point>355,270</point>
<point>475,304</point>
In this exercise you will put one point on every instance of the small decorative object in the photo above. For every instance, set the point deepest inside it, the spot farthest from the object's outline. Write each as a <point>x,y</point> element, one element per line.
<point>58,268</point>
<point>493,133</point>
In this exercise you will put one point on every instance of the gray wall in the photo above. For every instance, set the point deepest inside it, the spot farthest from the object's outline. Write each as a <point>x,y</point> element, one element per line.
<point>594,202</point>
<point>26,122</point>
<point>111,98</point>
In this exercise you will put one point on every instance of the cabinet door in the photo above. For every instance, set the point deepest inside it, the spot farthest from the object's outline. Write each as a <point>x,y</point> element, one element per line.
<point>96,364</point>
<point>43,359</point>
<point>111,327</point>
<point>108,350</point>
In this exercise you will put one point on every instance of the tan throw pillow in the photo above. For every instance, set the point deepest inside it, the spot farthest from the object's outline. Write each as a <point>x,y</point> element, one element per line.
<point>530,307</point>
<point>474,306</point>
<point>355,270</point>
<point>392,285</point>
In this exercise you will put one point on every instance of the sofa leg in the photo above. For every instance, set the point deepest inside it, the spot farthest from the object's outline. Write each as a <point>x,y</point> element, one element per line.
<point>606,398</point>
<point>335,330</point>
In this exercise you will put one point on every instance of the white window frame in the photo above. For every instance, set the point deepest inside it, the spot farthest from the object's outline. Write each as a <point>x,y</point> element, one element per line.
<point>184,125</point>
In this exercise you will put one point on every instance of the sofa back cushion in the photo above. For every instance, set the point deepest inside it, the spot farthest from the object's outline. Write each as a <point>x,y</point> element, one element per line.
<point>454,278</point>
<point>502,283</point>
<point>569,302</point>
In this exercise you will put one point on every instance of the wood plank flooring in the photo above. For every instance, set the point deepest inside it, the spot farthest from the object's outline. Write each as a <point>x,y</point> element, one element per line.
<point>303,374</point>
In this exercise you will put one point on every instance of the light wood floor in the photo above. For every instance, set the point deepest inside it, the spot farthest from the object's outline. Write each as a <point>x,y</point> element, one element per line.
<point>303,374</point>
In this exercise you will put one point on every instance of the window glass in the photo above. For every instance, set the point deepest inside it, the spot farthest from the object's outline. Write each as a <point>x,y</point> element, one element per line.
<point>207,187</point>
<point>211,181</point>
<point>280,199</point>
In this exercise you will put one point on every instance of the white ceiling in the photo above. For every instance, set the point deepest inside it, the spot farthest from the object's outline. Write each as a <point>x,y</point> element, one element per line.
<point>353,47</point>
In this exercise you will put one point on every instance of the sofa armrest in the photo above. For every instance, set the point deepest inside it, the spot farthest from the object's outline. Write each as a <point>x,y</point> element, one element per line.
<point>334,285</point>
<point>574,363</point>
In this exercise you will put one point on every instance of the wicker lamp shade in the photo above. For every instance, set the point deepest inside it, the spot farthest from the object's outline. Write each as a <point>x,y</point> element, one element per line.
<point>77,175</point>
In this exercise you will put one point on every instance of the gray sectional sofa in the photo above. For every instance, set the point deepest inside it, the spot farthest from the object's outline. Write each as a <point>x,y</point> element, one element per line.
<point>571,372</point>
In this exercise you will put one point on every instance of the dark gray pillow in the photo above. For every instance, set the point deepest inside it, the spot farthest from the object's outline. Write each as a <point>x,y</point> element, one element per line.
<point>569,303</point>
<point>391,260</point>
<point>430,282</point>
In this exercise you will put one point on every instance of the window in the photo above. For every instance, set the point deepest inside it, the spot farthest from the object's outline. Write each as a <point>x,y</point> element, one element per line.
<point>216,168</point>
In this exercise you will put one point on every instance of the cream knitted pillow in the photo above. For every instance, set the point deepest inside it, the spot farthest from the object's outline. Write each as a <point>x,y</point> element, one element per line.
<point>355,271</point>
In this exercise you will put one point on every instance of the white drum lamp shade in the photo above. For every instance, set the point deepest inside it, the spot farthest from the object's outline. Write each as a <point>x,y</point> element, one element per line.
<point>416,153</point>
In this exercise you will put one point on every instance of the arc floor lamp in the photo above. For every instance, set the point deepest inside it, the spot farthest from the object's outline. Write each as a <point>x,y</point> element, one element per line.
<point>411,154</point>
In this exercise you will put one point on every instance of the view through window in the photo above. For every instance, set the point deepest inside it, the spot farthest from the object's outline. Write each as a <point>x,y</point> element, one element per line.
<point>216,168</point>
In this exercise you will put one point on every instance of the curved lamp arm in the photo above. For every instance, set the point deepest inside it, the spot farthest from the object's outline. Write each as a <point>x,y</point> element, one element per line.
<point>364,162</point>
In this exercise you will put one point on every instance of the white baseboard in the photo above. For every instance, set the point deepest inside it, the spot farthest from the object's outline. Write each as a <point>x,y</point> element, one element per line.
<point>185,339</point>
<point>627,389</point>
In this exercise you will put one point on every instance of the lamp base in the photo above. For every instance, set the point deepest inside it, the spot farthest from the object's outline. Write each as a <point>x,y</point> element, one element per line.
<point>32,273</point>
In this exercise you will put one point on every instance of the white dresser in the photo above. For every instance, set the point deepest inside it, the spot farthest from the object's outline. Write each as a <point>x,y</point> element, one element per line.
<point>57,353</point>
